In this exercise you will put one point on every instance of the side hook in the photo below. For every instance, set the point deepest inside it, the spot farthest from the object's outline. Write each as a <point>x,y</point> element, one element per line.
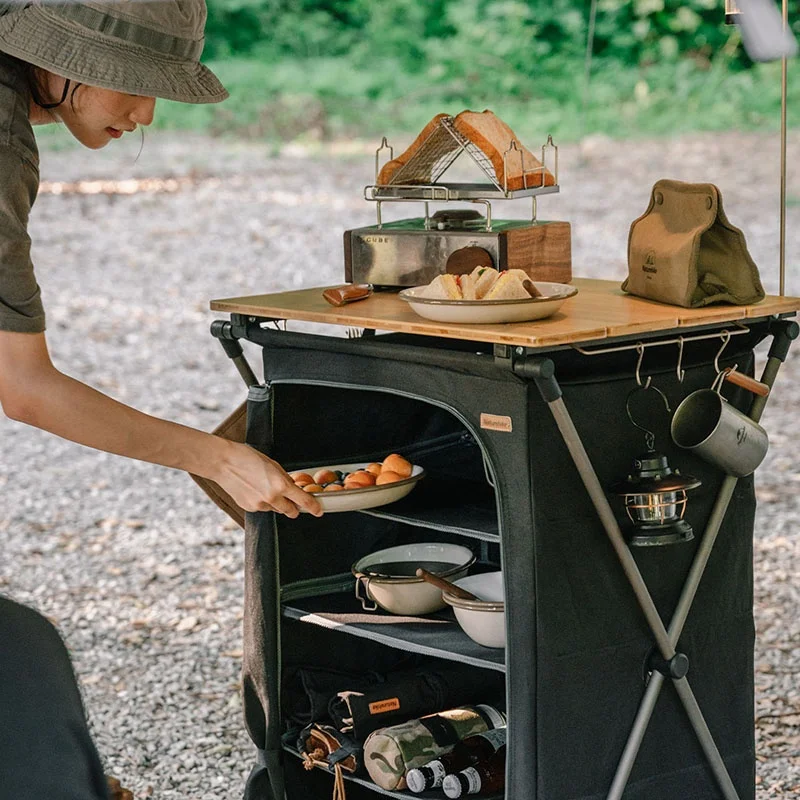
<point>640,351</point>
<point>680,371</point>
<point>726,337</point>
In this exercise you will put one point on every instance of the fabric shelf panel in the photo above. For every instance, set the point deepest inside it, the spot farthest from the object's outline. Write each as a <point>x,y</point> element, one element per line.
<point>436,635</point>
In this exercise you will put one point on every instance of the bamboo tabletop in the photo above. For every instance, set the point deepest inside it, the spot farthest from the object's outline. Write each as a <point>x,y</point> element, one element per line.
<point>600,310</point>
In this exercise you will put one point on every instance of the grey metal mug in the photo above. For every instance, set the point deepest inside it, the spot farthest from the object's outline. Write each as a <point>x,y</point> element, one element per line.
<point>711,427</point>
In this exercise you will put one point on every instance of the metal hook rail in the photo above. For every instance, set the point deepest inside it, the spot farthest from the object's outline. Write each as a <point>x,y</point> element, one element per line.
<point>680,341</point>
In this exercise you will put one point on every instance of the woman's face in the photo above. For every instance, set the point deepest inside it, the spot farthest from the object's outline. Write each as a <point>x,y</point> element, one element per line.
<point>95,116</point>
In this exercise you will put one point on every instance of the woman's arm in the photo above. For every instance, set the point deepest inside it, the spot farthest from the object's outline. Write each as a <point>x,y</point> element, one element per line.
<point>33,391</point>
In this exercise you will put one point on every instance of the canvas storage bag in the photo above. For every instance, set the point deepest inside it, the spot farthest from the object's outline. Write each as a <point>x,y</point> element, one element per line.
<point>683,251</point>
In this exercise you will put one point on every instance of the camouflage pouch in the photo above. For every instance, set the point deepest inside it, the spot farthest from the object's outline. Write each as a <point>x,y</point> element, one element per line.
<point>390,753</point>
<point>684,251</point>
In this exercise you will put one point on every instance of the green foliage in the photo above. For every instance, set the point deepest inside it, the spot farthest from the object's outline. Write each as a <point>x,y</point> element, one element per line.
<point>324,68</point>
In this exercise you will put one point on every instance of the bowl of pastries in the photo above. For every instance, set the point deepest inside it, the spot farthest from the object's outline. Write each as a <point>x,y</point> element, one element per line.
<point>486,296</point>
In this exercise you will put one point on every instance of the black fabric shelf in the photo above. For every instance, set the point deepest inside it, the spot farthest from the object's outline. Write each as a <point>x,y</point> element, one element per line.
<point>436,635</point>
<point>437,795</point>
<point>462,507</point>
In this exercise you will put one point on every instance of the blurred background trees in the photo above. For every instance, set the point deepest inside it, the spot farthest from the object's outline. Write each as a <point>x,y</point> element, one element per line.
<point>319,69</point>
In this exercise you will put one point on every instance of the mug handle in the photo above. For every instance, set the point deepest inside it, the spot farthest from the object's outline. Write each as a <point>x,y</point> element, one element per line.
<point>746,382</point>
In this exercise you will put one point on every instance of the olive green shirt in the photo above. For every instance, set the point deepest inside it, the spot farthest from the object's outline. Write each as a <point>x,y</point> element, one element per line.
<point>21,307</point>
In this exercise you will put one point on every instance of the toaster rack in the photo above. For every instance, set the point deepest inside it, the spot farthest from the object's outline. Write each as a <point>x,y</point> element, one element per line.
<point>418,179</point>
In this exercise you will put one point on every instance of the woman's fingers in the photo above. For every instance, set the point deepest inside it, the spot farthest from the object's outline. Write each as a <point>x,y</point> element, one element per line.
<point>304,500</point>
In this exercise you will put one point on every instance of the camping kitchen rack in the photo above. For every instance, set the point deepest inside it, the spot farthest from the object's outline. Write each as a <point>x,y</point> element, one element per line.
<point>319,361</point>
<point>418,179</point>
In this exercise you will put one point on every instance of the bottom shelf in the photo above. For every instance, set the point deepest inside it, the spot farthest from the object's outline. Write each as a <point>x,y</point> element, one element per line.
<point>368,784</point>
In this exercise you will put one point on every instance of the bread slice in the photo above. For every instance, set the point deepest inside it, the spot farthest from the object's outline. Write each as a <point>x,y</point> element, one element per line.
<point>483,279</point>
<point>527,282</point>
<point>467,285</point>
<point>391,167</point>
<point>491,135</point>
<point>443,287</point>
<point>508,287</point>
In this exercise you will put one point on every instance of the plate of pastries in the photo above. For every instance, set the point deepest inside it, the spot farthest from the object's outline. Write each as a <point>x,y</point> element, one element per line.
<point>487,296</point>
<point>353,487</point>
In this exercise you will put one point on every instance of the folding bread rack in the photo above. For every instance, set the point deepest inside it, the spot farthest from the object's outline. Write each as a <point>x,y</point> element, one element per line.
<point>418,179</point>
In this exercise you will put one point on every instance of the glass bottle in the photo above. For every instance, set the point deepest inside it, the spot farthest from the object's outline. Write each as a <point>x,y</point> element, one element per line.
<point>466,753</point>
<point>484,777</point>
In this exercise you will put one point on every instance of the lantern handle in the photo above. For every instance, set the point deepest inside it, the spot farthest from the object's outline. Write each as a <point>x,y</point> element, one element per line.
<point>649,436</point>
<point>681,372</point>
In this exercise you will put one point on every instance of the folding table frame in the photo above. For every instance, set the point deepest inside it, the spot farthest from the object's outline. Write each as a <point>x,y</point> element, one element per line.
<point>668,662</point>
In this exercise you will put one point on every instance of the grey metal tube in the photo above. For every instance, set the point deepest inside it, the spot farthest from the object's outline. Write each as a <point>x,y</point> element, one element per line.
<point>636,737</point>
<point>600,502</point>
<point>705,739</point>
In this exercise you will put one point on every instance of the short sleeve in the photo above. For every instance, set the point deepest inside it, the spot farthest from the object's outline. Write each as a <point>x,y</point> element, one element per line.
<point>21,307</point>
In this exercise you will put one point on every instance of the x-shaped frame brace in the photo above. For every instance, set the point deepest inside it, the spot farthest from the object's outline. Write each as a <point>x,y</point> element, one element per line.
<point>673,664</point>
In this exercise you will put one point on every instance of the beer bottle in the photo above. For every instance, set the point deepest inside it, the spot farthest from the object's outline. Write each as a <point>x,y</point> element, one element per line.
<point>481,778</point>
<point>466,753</point>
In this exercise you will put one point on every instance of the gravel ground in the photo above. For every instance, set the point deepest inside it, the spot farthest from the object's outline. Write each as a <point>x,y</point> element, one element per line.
<point>140,572</point>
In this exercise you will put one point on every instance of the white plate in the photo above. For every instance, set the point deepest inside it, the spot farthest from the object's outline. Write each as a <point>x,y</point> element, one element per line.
<point>369,496</point>
<point>491,311</point>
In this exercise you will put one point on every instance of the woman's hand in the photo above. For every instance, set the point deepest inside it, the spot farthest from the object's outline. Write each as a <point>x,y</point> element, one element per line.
<point>257,483</point>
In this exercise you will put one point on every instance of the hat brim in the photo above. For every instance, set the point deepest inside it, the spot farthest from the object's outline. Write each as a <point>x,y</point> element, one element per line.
<point>36,35</point>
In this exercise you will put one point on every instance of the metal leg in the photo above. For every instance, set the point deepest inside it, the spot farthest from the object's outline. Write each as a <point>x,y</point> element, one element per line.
<point>542,371</point>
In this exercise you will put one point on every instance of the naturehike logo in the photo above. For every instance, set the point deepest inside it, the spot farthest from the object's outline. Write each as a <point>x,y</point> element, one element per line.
<point>496,422</point>
<point>382,706</point>
<point>650,262</point>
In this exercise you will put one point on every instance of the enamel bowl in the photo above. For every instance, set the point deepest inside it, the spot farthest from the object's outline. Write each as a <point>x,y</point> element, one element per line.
<point>485,621</point>
<point>408,595</point>
<point>491,311</point>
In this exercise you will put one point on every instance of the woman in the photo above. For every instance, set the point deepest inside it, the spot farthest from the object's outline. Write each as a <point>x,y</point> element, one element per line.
<point>98,70</point>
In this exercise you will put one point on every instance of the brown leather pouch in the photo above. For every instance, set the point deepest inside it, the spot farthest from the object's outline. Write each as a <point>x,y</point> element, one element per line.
<point>233,428</point>
<point>684,251</point>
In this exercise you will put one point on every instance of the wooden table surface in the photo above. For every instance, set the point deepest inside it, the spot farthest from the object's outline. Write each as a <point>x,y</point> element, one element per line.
<point>600,310</point>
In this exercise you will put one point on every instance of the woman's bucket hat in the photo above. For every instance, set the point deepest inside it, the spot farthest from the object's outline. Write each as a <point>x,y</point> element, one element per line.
<point>142,47</point>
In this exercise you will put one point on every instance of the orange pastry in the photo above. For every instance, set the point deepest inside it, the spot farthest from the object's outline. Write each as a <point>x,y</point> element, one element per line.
<point>396,463</point>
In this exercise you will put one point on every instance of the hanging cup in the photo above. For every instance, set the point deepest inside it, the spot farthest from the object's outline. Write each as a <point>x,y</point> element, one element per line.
<point>712,428</point>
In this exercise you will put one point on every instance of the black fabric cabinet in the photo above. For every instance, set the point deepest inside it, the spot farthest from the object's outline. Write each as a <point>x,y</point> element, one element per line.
<point>577,642</point>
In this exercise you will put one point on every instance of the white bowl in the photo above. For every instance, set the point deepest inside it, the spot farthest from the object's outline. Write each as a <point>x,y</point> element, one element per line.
<point>366,497</point>
<point>408,595</point>
<point>490,311</point>
<point>484,621</point>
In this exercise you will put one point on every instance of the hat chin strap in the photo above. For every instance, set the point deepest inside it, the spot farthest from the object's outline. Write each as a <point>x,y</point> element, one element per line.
<point>49,106</point>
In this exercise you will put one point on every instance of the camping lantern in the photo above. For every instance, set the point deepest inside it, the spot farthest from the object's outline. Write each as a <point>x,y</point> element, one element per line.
<point>655,500</point>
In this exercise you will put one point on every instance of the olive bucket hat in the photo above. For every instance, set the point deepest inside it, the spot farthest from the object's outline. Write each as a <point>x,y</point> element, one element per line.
<point>143,47</point>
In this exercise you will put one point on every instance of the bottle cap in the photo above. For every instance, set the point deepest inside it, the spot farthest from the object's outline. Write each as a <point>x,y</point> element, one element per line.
<point>415,779</point>
<point>453,786</point>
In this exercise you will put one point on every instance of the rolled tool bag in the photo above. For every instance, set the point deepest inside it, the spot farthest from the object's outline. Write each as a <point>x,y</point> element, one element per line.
<point>684,251</point>
<point>389,753</point>
<point>404,697</point>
